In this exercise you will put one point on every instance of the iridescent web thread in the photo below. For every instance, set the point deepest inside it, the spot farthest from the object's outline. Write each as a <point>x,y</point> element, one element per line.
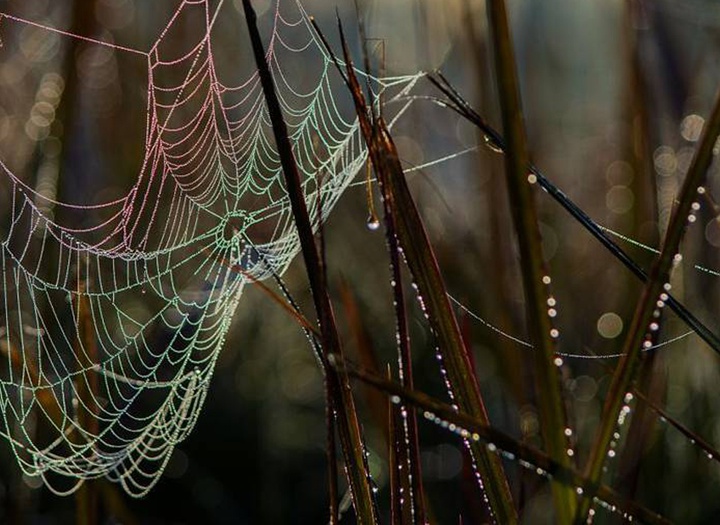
<point>159,273</point>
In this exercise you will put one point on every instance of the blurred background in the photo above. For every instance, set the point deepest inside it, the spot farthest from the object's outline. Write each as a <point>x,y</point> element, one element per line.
<point>614,95</point>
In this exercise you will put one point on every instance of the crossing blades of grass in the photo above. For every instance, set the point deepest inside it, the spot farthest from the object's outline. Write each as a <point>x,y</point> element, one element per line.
<point>529,456</point>
<point>496,141</point>
<point>418,254</point>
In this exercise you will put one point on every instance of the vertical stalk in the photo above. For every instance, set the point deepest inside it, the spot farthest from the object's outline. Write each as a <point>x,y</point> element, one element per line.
<point>343,406</point>
<point>87,387</point>
<point>525,219</point>
<point>408,422</point>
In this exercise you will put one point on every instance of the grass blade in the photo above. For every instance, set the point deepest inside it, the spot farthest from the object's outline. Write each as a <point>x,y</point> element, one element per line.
<point>426,272</point>
<point>547,378</point>
<point>711,452</point>
<point>648,306</point>
<point>399,424</point>
<point>343,406</point>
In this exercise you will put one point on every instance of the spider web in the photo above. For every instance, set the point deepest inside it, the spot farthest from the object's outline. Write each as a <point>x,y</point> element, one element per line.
<point>114,313</point>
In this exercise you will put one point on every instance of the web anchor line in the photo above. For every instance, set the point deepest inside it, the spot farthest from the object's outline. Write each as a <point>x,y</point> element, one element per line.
<point>69,34</point>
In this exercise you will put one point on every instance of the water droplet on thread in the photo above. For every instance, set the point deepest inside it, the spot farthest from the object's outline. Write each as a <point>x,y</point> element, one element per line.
<point>492,145</point>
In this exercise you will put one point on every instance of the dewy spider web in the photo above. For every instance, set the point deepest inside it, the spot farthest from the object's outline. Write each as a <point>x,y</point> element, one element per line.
<point>96,385</point>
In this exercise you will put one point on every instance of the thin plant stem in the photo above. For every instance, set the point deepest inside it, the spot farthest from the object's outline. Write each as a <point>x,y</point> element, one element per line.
<point>342,403</point>
<point>535,283</point>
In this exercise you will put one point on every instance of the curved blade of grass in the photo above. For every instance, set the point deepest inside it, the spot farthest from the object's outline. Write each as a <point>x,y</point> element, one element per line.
<point>426,272</point>
<point>343,406</point>
<point>522,204</point>
<point>495,140</point>
<point>647,307</point>
<point>482,431</point>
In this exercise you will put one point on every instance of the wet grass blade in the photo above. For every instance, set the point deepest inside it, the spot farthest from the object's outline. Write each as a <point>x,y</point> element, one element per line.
<point>528,456</point>
<point>649,305</point>
<point>340,395</point>
<point>426,273</point>
<point>412,471</point>
<point>522,204</point>
<point>394,464</point>
<point>400,425</point>
<point>496,141</point>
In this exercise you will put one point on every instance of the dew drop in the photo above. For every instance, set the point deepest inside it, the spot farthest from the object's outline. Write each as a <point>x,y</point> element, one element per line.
<point>373,224</point>
<point>492,145</point>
